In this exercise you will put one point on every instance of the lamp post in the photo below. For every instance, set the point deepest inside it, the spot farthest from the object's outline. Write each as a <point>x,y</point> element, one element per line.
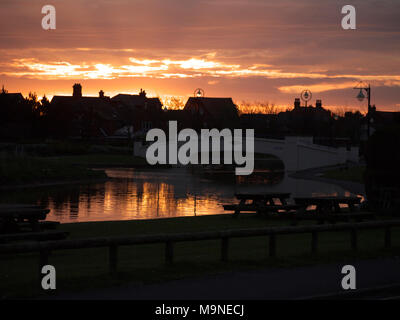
<point>361,86</point>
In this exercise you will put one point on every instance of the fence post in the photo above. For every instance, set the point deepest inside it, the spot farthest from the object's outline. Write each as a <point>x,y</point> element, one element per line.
<point>272,245</point>
<point>314,242</point>
<point>224,249</point>
<point>169,252</point>
<point>113,258</point>
<point>43,260</point>
<point>354,242</point>
<point>388,237</point>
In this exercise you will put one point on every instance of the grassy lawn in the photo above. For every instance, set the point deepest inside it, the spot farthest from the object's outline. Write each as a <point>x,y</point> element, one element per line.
<point>88,268</point>
<point>354,174</point>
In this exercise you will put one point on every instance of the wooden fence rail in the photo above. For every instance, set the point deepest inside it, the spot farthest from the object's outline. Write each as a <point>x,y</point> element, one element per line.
<point>46,247</point>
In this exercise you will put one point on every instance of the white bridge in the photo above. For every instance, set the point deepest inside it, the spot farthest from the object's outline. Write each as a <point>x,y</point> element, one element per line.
<point>297,153</point>
<point>300,153</point>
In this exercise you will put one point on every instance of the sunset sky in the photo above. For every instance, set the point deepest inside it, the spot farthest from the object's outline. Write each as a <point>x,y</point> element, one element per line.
<point>253,50</point>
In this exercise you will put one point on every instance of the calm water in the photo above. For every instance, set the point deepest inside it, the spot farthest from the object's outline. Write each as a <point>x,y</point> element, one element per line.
<point>151,194</point>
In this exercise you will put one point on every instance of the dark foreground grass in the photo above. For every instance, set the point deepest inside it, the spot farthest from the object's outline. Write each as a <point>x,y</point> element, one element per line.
<point>79,270</point>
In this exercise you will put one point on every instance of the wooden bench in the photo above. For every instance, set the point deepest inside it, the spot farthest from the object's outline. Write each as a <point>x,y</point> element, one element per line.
<point>37,236</point>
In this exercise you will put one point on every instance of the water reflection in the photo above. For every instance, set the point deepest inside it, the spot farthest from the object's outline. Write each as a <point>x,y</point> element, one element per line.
<point>148,194</point>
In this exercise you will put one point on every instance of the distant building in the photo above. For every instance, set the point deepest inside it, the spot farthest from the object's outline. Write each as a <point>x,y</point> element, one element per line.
<point>264,125</point>
<point>9,99</point>
<point>139,111</point>
<point>84,117</point>
<point>212,113</point>
<point>182,117</point>
<point>384,118</point>
<point>310,120</point>
<point>379,120</point>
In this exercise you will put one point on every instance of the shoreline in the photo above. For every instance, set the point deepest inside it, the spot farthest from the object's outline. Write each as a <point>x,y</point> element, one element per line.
<point>316,175</point>
<point>54,183</point>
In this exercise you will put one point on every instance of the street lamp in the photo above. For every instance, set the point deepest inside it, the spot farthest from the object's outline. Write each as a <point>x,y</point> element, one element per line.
<point>363,87</point>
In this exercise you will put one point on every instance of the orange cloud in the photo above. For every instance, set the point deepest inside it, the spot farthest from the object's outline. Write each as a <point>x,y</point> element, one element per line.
<point>317,87</point>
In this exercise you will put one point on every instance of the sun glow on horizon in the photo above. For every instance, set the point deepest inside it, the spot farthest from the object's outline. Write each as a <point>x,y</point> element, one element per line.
<point>210,67</point>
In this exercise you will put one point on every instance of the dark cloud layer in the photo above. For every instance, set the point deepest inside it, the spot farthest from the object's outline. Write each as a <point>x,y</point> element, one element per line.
<point>279,42</point>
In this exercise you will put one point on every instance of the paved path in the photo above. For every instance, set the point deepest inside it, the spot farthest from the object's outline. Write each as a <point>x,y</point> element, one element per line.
<point>273,283</point>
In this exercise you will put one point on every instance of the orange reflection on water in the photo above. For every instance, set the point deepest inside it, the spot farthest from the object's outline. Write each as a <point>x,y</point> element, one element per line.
<point>132,194</point>
<point>125,198</point>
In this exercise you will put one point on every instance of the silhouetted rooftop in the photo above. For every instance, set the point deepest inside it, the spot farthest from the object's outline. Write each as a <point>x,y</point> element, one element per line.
<point>136,100</point>
<point>217,107</point>
<point>101,106</point>
<point>9,98</point>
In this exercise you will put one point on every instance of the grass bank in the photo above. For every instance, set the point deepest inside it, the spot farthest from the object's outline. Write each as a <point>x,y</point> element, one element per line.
<point>103,160</point>
<point>353,174</point>
<point>78,270</point>
<point>19,170</point>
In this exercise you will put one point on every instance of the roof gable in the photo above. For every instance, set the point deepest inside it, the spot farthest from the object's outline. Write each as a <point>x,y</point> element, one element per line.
<point>137,101</point>
<point>101,106</point>
<point>217,107</point>
<point>10,98</point>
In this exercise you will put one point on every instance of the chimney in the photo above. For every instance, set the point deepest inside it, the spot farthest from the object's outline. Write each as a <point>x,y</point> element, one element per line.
<point>77,93</point>
<point>296,103</point>
<point>142,93</point>
<point>318,104</point>
<point>101,94</point>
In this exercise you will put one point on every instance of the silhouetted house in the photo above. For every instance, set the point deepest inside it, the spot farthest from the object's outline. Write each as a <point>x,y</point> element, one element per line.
<point>9,104</point>
<point>139,111</point>
<point>379,120</point>
<point>83,117</point>
<point>384,118</point>
<point>182,117</point>
<point>15,115</point>
<point>312,121</point>
<point>348,127</point>
<point>212,113</point>
<point>264,125</point>
<point>9,99</point>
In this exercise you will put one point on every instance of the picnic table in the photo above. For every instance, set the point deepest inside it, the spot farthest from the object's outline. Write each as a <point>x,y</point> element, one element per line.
<point>328,204</point>
<point>264,198</point>
<point>11,215</point>
<point>261,203</point>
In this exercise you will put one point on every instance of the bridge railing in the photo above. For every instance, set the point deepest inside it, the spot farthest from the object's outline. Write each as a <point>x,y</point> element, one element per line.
<point>46,247</point>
